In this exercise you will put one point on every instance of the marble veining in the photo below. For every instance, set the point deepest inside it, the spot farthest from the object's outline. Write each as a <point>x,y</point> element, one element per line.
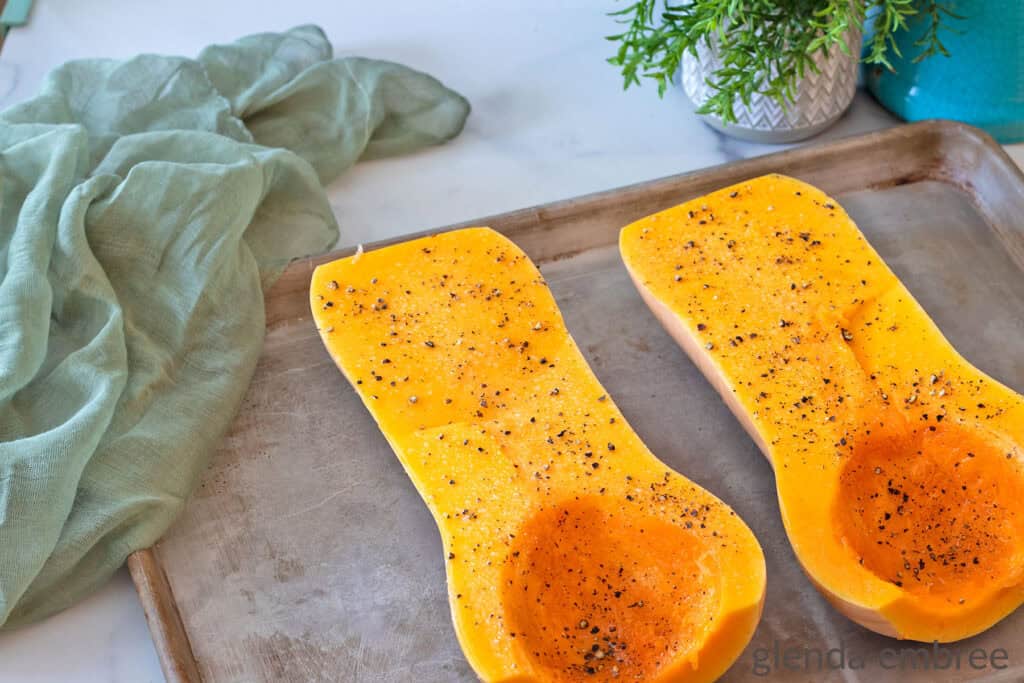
<point>550,121</point>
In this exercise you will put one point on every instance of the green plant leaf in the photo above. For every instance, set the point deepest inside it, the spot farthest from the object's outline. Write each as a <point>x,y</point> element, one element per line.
<point>765,46</point>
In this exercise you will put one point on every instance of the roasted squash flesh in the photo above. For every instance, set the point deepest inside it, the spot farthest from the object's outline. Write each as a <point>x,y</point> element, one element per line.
<point>572,553</point>
<point>898,464</point>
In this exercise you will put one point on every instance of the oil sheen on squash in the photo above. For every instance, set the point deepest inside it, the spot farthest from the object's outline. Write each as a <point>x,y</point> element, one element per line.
<point>572,553</point>
<point>898,464</point>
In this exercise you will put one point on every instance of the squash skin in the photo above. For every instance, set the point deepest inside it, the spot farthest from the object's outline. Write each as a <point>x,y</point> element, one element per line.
<point>535,475</point>
<point>863,408</point>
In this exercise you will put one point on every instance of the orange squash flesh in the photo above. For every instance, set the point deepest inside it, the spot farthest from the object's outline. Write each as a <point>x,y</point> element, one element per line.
<point>572,552</point>
<point>898,464</point>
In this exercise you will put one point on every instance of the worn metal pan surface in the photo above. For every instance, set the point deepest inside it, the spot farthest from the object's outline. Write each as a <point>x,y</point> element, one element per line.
<point>306,554</point>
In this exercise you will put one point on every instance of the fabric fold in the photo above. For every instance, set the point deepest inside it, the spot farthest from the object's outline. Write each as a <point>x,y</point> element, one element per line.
<point>145,205</point>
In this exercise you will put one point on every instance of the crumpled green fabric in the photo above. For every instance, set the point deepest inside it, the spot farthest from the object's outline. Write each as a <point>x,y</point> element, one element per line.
<point>144,206</point>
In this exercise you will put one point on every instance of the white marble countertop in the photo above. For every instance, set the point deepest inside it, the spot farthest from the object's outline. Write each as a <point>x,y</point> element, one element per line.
<point>549,121</point>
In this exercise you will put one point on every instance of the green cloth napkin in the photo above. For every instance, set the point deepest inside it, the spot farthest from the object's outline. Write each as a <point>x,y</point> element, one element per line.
<point>144,206</point>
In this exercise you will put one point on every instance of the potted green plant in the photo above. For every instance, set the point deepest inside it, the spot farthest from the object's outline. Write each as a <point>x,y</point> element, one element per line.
<point>768,70</point>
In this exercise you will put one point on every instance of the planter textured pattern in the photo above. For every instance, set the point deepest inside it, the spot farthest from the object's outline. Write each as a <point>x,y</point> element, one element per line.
<point>821,98</point>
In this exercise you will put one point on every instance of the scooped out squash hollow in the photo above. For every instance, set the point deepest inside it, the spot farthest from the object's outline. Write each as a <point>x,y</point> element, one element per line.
<point>898,464</point>
<point>572,553</point>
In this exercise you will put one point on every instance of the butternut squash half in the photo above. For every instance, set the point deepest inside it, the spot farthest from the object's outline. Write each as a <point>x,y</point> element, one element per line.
<point>572,553</point>
<point>897,463</point>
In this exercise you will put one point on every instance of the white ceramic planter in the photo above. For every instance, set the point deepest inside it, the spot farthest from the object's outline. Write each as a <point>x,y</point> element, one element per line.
<point>821,98</point>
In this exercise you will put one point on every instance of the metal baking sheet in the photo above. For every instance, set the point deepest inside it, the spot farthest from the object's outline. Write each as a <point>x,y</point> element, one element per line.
<point>307,555</point>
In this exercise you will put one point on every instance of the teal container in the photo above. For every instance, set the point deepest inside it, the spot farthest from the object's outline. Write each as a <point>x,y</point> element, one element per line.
<point>981,83</point>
